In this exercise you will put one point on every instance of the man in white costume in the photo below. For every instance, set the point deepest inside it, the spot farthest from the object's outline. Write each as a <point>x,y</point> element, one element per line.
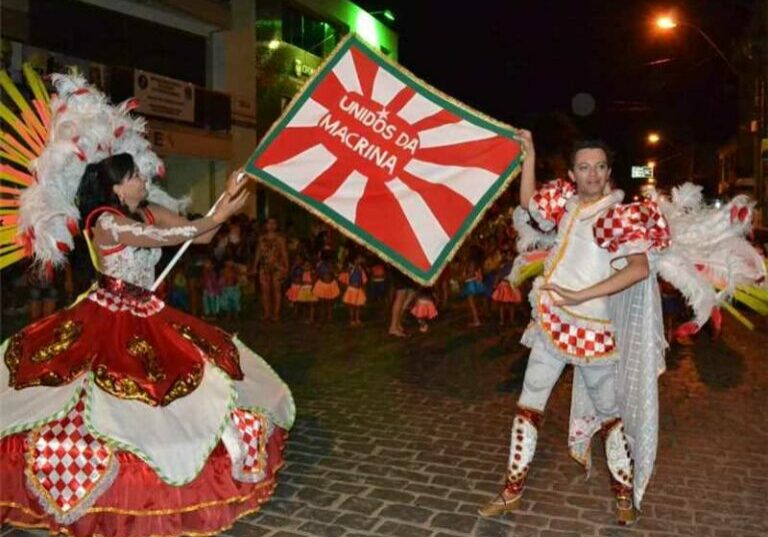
<point>599,264</point>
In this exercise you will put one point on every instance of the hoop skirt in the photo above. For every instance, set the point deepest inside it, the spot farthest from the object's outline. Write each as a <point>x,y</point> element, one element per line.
<point>122,417</point>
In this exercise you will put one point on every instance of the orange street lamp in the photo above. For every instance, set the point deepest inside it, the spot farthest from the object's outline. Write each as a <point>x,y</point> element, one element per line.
<point>667,22</point>
<point>653,138</point>
<point>652,165</point>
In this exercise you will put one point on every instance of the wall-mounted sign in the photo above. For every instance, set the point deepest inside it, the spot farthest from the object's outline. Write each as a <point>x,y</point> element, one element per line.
<point>244,110</point>
<point>642,172</point>
<point>302,69</point>
<point>164,97</point>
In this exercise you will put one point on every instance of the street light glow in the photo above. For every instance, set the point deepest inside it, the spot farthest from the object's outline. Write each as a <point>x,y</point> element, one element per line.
<point>651,164</point>
<point>666,23</point>
<point>389,15</point>
<point>653,138</point>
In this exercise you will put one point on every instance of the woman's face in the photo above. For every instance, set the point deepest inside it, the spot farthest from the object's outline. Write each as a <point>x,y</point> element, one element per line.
<point>271,225</point>
<point>132,190</point>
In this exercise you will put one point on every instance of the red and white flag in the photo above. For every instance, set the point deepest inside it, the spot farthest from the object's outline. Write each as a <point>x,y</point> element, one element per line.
<point>388,160</point>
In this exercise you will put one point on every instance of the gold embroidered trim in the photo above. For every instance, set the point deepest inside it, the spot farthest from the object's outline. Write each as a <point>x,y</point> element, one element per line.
<point>122,388</point>
<point>157,512</point>
<point>13,357</point>
<point>51,379</point>
<point>67,533</point>
<point>206,347</point>
<point>140,348</point>
<point>63,337</point>
<point>184,386</point>
<point>561,251</point>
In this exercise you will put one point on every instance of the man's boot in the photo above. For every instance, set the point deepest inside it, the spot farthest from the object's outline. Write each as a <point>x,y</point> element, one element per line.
<point>522,447</point>
<point>621,467</point>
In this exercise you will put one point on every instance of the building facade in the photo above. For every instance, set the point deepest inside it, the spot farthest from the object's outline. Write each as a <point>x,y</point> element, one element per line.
<point>212,75</point>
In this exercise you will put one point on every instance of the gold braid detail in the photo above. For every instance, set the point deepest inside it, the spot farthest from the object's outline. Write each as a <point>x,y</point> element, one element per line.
<point>140,348</point>
<point>63,337</point>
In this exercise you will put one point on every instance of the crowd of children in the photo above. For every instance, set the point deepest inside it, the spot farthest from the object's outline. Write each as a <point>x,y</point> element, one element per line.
<point>349,276</point>
<point>316,275</point>
<point>249,267</point>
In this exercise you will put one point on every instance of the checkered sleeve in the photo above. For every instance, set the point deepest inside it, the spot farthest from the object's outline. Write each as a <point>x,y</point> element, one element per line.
<point>632,229</point>
<point>547,205</point>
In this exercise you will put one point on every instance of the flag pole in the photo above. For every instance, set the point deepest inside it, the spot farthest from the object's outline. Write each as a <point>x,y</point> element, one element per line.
<point>184,247</point>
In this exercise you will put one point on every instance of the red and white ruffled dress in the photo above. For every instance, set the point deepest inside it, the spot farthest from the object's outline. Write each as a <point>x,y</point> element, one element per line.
<point>424,308</point>
<point>122,416</point>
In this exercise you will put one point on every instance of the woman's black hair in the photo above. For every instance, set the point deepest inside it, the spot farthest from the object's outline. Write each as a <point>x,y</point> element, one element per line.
<point>97,185</point>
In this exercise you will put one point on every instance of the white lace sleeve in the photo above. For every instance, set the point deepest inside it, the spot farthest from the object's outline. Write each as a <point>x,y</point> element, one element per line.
<point>140,234</point>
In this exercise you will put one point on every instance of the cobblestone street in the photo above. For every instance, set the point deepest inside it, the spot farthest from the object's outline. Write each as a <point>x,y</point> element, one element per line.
<point>406,438</point>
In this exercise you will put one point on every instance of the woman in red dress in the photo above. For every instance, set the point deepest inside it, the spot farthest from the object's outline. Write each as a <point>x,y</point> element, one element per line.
<point>122,416</point>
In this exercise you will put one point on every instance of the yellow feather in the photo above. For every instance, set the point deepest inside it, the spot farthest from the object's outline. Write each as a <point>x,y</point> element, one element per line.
<point>739,317</point>
<point>13,92</point>
<point>8,235</point>
<point>36,84</point>
<point>12,257</point>
<point>13,157</point>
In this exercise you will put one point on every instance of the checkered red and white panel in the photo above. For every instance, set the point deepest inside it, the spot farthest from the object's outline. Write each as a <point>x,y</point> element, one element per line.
<point>68,461</point>
<point>549,201</point>
<point>113,302</point>
<point>575,340</point>
<point>252,430</point>
<point>624,224</point>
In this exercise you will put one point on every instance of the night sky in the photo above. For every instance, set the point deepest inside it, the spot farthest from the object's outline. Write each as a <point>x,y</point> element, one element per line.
<point>523,62</point>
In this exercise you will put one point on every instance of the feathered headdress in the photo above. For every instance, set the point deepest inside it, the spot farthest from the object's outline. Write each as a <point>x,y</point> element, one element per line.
<point>46,149</point>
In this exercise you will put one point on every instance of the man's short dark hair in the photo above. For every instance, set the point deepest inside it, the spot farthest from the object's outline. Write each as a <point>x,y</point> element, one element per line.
<point>591,144</point>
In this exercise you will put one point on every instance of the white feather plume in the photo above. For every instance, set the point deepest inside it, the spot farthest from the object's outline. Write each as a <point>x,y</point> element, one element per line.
<point>528,237</point>
<point>84,128</point>
<point>708,256</point>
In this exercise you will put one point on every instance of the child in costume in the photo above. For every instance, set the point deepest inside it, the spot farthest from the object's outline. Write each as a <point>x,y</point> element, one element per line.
<point>354,296</point>
<point>424,309</point>
<point>178,295</point>
<point>378,286</point>
<point>230,290</point>
<point>473,289</point>
<point>305,298</point>
<point>211,291</point>
<point>121,416</point>
<point>326,288</point>
<point>504,293</point>
<point>292,294</point>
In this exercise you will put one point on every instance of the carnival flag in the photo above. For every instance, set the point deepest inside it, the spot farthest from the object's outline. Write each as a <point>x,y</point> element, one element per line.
<point>390,161</point>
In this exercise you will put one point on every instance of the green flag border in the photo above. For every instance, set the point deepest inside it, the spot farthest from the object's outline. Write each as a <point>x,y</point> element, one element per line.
<point>359,235</point>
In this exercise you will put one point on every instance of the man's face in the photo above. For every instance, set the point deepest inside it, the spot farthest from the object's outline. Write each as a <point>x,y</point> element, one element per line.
<point>590,172</point>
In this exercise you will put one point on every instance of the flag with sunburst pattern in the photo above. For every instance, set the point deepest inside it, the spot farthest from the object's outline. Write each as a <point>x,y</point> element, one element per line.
<point>388,160</point>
